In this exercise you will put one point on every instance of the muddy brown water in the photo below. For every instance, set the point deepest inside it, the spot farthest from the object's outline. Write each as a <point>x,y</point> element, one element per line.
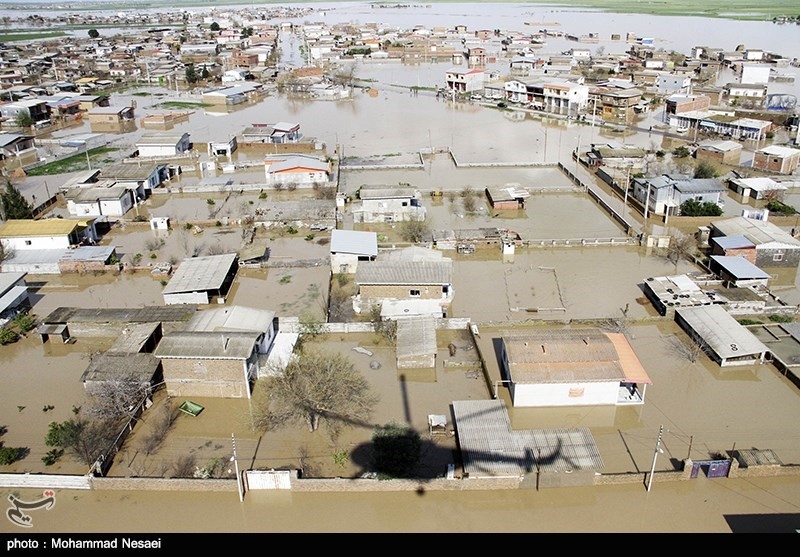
<point>704,409</point>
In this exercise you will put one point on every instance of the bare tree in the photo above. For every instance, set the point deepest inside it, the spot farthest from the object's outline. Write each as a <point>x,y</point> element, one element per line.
<point>6,252</point>
<point>414,231</point>
<point>160,422</point>
<point>690,349</point>
<point>317,388</point>
<point>117,398</point>
<point>681,246</point>
<point>340,306</point>
<point>386,328</point>
<point>184,466</point>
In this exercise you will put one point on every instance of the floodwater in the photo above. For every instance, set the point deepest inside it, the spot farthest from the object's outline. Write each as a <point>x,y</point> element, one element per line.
<point>704,409</point>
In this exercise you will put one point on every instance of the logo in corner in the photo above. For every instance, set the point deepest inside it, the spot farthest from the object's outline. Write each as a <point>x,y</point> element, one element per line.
<point>16,512</point>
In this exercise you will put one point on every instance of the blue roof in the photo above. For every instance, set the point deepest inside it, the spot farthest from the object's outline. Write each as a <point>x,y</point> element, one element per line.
<point>733,242</point>
<point>740,267</point>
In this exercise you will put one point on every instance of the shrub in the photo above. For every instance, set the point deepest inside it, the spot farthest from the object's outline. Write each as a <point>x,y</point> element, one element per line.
<point>9,455</point>
<point>24,322</point>
<point>8,335</point>
<point>262,195</point>
<point>210,201</point>
<point>52,456</point>
<point>777,318</point>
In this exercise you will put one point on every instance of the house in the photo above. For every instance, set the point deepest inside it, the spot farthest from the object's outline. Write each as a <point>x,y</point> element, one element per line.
<point>755,73</point>
<point>220,353</point>
<point>348,247</point>
<point>507,198</point>
<point>745,91</point>
<point>105,198</point>
<point>36,109</point>
<point>13,295</point>
<point>388,204</point>
<point>296,170</point>
<point>199,279</point>
<point>233,95</point>
<point>614,104</point>
<point>163,145</point>
<point>671,292</point>
<point>663,195</point>
<point>682,103</point>
<point>27,234</point>
<point>282,132</point>
<point>209,364</point>
<point>721,336</point>
<point>719,152</point>
<point>111,118</point>
<point>777,158</point>
<point>17,150</point>
<point>406,274</point>
<point>140,178</point>
<point>757,188</point>
<point>571,367</point>
<point>464,81</point>
<point>777,251</point>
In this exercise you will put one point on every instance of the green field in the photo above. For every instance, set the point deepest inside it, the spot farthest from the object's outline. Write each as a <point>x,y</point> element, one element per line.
<point>731,9</point>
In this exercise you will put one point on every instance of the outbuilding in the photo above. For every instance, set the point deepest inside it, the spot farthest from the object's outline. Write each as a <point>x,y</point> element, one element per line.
<point>199,279</point>
<point>723,338</point>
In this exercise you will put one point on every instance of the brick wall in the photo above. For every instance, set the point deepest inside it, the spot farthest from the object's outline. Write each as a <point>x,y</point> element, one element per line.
<point>204,378</point>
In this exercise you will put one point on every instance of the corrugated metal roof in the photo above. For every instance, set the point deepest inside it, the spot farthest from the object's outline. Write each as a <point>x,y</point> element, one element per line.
<point>355,242</point>
<point>721,332</point>
<point>204,344</point>
<point>201,273</point>
<point>489,447</point>
<point>114,367</point>
<point>405,272</point>
<point>740,267</point>
<point>9,279</point>
<point>736,241</point>
<point>133,337</point>
<point>757,231</point>
<point>572,355</point>
<point>416,336</point>
<point>89,253</point>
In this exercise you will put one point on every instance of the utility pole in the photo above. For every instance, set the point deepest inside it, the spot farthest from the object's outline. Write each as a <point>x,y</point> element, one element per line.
<point>236,467</point>
<point>655,456</point>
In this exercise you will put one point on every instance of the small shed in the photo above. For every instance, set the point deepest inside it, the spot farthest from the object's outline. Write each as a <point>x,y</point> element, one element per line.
<point>737,270</point>
<point>198,279</point>
<point>348,247</point>
<point>725,340</point>
<point>416,342</point>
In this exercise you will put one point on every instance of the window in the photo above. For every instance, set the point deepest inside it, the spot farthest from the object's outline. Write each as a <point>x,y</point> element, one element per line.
<point>777,257</point>
<point>414,293</point>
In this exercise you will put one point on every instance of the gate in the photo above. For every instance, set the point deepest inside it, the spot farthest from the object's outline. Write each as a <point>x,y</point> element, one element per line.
<point>712,468</point>
<point>268,479</point>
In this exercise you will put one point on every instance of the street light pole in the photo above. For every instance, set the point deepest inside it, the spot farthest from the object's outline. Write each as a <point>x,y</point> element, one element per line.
<point>655,456</point>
